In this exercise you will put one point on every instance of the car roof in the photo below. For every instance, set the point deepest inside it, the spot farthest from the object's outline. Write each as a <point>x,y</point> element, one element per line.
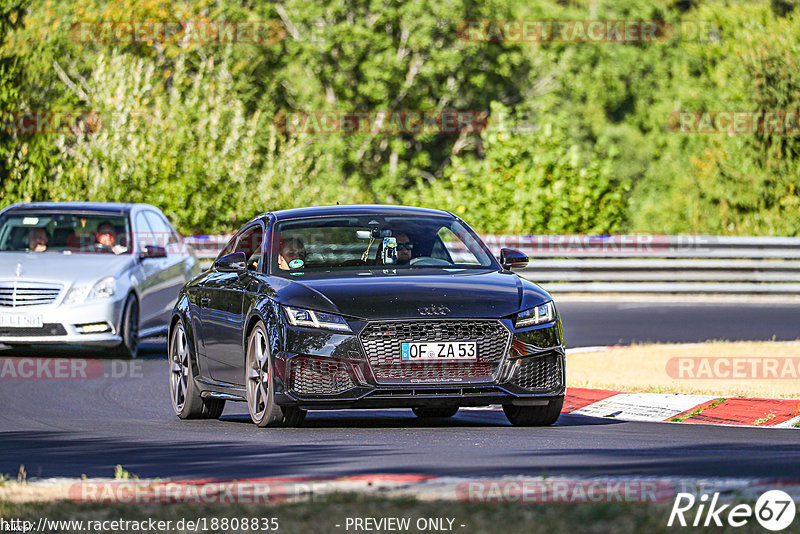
<point>357,210</point>
<point>85,207</point>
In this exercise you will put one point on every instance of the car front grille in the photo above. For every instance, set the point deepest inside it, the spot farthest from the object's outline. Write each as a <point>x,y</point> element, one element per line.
<point>47,329</point>
<point>317,376</point>
<point>382,341</point>
<point>18,294</point>
<point>539,373</point>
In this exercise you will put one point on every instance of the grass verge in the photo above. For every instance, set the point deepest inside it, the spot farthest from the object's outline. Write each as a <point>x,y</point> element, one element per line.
<point>654,368</point>
<point>323,514</point>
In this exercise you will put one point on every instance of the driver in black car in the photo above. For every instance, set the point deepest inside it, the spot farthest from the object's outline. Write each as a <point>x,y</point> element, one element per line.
<point>405,248</point>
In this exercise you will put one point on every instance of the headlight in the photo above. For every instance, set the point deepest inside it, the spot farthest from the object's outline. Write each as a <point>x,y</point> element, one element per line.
<point>103,289</point>
<point>544,313</point>
<point>315,319</point>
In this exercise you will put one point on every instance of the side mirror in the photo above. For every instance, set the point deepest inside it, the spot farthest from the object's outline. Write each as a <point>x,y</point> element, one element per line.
<point>235,262</point>
<point>153,251</point>
<point>511,258</point>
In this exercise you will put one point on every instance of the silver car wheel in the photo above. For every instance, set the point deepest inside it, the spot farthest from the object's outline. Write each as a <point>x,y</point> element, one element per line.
<point>179,368</point>
<point>257,374</point>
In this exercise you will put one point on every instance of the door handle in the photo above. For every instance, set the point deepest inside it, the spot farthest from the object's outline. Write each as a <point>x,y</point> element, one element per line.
<point>204,302</point>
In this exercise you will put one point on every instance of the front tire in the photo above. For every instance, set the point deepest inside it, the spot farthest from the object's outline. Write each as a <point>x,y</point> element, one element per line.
<point>534,415</point>
<point>435,412</point>
<point>129,329</point>
<point>186,400</point>
<point>264,411</point>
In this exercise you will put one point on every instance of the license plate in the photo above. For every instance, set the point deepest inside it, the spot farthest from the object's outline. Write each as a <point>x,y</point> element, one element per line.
<point>21,321</point>
<point>450,350</point>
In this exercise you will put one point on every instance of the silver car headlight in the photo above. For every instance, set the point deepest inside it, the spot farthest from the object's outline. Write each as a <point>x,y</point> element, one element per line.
<point>542,314</point>
<point>103,289</point>
<point>315,319</point>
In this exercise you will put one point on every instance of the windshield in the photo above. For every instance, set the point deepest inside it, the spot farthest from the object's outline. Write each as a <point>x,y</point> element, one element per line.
<point>354,243</point>
<point>94,233</point>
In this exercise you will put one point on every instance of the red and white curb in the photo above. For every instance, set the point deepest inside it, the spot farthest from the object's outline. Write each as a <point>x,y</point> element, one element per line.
<point>678,408</point>
<point>517,489</point>
<point>703,409</point>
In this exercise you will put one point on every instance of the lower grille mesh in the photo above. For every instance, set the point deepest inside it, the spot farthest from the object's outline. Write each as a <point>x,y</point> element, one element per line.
<point>544,372</point>
<point>47,329</point>
<point>382,341</point>
<point>316,376</point>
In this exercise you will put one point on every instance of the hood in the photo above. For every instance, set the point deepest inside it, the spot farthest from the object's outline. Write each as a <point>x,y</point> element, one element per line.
<point>62,268</point>
<point>378,295</point>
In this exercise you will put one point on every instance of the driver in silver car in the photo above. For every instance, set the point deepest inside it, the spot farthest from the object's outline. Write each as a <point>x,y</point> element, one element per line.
<point>106,239</point>
<point>37,239</point>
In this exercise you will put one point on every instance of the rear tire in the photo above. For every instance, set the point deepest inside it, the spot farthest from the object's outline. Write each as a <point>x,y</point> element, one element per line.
<point>186,400</point>
<point>129,329</point>
<point>264,411</point>
<point>435,412</point>
<point>534,415</point>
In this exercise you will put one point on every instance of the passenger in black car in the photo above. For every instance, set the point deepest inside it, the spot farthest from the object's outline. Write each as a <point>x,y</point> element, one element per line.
<point>292,250</point>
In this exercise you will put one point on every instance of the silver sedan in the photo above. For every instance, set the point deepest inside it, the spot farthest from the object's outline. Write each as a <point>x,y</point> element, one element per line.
<point>89,274</point>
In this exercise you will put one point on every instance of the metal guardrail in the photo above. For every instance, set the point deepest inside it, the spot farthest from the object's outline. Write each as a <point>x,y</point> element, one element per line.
<point>640,263</point>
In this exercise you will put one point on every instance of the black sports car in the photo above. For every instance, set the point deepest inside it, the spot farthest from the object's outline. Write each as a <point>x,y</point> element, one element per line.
<point>364,307</point>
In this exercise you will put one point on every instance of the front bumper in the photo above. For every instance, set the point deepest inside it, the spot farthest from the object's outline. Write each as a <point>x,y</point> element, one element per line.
<point>61,324</point>
<point>339,373</point>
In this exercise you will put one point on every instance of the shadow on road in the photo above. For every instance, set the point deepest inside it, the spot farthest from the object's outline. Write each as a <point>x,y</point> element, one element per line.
<point>151,348</point>
<point>304,452</point>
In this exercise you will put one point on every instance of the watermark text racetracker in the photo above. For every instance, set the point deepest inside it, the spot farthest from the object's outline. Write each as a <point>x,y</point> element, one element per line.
<point>590,245</point>
<point>178,31</point>
<point>734,367</point>
<point>586,31</point>
<point>35,368</point>
<point>381,121</point>
<point>564,490</point>
<point>75,121</point>
<point>735,122</point>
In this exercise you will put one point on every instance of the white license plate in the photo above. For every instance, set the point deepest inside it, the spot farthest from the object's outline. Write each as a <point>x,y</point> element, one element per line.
<point>432,350</point>
<point>21,321</point>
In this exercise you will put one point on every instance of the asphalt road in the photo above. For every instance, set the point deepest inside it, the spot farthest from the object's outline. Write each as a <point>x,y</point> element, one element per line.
<point>618,322</point>
<point>75,427</point>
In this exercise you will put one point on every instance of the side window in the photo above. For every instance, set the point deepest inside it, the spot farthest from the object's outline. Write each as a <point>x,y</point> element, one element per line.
<point>250,242</point>
<point>455,248</point>
<point>144,234</point>
<point>162,232</point>
<point>228,248</point>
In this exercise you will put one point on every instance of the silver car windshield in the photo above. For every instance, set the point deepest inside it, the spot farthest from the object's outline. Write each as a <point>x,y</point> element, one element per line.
<point>342,243</point>
<point>94,233</point>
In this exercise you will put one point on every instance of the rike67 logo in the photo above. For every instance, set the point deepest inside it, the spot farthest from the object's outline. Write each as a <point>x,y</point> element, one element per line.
<point>774,510</point>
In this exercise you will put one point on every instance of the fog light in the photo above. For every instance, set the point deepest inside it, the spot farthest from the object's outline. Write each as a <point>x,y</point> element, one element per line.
<point>93,328</point>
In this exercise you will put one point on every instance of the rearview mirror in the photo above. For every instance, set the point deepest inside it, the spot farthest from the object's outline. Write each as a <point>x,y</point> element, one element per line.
<point>511,258</point>
<point>153,251</point>
<point>235,262</point>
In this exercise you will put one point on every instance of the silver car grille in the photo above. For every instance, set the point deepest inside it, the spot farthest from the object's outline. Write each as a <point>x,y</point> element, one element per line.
<point>18,293</point>
<point>381,341</point>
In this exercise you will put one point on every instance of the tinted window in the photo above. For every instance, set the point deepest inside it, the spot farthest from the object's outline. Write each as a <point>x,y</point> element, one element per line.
<point>337,243</point>
<point>250,242</point>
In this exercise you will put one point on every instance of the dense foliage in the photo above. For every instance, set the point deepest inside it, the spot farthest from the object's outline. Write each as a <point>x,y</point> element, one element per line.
<point>580,135</point>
